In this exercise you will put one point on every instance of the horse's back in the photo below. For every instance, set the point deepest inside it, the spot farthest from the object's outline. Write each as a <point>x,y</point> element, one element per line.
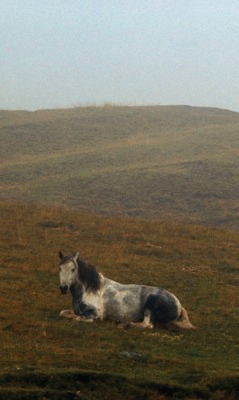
<point>122,303</point>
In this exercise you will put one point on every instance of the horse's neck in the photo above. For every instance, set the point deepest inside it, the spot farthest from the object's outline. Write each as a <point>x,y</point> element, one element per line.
<point>77,293</point>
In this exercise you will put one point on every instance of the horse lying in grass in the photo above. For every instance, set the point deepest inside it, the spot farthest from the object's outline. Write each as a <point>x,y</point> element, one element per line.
<point>96,297</point>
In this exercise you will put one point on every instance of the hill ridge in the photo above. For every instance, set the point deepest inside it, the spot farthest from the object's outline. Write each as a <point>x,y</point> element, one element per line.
<point>177,162</point>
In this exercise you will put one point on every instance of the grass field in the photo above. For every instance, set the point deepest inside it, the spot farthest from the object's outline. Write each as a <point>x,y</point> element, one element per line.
<point>45,357</point>
<point>173,163</point>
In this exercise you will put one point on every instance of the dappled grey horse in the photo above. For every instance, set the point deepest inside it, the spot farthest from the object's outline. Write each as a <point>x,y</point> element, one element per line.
<point>97,297</point>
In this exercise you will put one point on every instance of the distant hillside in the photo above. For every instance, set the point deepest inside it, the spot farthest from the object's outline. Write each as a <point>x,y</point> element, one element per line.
<point>171,162</point>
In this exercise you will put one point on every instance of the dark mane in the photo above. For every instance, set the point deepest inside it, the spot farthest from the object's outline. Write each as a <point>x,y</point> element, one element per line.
<point>88,275</point>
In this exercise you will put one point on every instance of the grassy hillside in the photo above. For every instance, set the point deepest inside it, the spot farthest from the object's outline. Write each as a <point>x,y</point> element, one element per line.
<point>43,356</point>
<point>178,163</point>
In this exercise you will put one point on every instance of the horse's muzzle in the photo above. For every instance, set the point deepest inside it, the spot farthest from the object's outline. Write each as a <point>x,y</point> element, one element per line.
<point>64,289</point>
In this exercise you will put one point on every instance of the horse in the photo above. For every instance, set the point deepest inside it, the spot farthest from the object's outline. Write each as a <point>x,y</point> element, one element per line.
<point>95,297</point>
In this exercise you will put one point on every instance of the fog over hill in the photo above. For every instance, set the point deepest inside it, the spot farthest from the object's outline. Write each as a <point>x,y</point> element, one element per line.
<point>168,162</point>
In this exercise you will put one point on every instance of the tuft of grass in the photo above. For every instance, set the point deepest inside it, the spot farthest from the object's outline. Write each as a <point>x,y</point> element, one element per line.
<point>224,267</point>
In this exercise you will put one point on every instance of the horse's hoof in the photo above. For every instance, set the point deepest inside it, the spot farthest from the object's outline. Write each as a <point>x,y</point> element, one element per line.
<point>89,320</point>
<point>80,319</point>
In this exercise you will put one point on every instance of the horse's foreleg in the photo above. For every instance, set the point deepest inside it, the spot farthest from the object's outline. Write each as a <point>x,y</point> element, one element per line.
<point>68,314</point>
<point>83,319</point>
<point>71,315</point>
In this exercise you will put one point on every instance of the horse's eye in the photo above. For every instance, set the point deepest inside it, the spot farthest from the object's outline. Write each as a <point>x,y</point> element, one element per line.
<point>73,269</point>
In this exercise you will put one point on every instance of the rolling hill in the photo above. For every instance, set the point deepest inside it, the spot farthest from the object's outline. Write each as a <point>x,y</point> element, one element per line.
<point>169,162</point>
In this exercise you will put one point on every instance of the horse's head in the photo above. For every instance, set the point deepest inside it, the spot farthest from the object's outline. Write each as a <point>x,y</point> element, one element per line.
<point>68,269</point>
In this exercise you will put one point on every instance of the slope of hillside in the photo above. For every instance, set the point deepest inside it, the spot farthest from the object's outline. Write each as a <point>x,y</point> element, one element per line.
<point>178,163</point>
<point>46,357</point>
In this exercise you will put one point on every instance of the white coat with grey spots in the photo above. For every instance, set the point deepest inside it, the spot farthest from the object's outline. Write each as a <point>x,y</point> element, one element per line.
<point>97,297</point>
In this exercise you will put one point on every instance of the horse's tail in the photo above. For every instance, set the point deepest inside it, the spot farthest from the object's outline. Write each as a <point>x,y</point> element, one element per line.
<point>183,321</point>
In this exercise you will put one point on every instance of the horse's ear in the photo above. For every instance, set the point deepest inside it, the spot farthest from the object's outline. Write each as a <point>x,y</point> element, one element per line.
<point>61,255</point>
<point>76,256</point>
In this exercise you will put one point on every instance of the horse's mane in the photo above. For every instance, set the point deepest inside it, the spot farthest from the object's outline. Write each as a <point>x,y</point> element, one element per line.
<point>88,275</point>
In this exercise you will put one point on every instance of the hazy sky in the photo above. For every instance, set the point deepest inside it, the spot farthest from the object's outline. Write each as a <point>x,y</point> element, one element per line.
<point>63,53</point>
